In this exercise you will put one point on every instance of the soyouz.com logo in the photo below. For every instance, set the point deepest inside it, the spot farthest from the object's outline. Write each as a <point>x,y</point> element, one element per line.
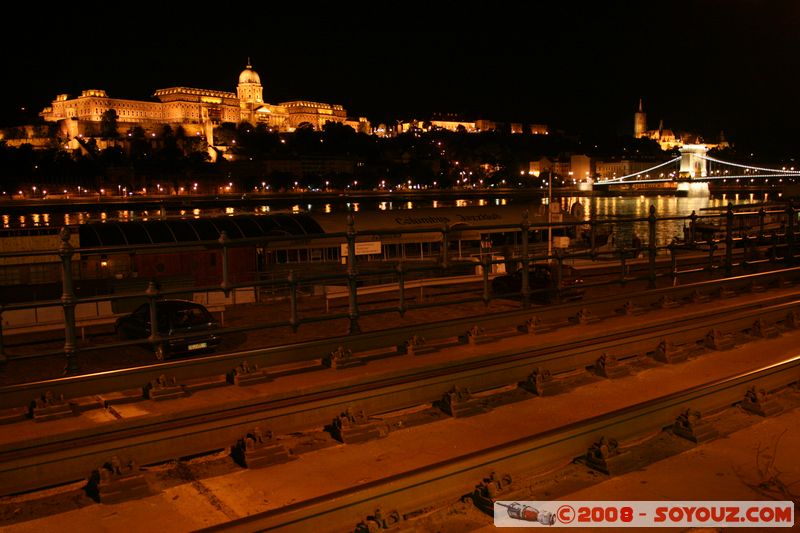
<point>644,514</point>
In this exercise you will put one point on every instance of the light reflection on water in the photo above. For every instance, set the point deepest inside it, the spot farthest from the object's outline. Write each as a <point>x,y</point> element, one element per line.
<point>620,209</point>
<point>617,209</point>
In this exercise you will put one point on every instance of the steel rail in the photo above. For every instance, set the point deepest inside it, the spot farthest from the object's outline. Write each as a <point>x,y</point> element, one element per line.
<point>33,463</point>
<point>450,479</point>
<point>121,379</point>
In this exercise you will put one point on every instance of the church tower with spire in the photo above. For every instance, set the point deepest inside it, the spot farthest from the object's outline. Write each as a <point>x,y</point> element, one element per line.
<point>639,122</point>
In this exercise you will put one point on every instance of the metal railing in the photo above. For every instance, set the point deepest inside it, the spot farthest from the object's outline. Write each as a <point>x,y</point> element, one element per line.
<point>734,229</point>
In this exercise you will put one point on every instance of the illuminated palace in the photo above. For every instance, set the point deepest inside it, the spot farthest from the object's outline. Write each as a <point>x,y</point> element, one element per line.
<point>196,110</point>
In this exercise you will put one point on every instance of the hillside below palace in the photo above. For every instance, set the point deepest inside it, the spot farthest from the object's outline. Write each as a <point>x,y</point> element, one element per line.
<point>197,111</point>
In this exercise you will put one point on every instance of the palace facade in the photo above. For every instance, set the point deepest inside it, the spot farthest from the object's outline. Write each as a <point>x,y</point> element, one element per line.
<point>197,110</point>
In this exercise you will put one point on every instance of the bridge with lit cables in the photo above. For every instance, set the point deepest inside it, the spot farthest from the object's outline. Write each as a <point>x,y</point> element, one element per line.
<point>694,165</point>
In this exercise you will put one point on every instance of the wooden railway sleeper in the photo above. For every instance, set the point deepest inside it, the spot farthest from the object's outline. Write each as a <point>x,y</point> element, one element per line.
<point>458,402</point>
<point>763,330</point>
<point>758,401</point>
<point>118,480</point>
<point>380,520</point>
<point>691,426</point>
<point>717,340</point>
<point>543,383</point>
<point>164,388</point>
<point>670,353</point>
<point>489,490</point>
<point>535,325</point>
<point>608,366</point>
<point>341,358</point>
<point>354,427</point>
<point>415,345</point>
<point>260,448</point>
<point>606,456</point>
<point>247,373</point>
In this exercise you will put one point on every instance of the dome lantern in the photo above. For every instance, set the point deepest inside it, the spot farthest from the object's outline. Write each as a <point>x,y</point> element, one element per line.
<point>249,76</point>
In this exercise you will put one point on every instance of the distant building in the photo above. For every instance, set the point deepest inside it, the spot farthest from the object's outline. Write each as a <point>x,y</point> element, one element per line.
<point>581,167</point>
<point>539,129</point>
<point>437,123</point>
<point>382,130</point>
<point>666,138</point>
<point>576,166</point>
<point>485,125</point>
<point>617,168</point>
<point>196,110</point>
<point>562,167</point>
<point>541,165</point>
<point>452,122</point>
<point>361,125</point>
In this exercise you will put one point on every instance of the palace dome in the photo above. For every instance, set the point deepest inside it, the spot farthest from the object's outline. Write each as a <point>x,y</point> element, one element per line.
<point>249,75</point>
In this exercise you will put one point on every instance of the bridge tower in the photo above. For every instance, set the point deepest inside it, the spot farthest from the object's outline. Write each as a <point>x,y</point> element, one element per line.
<point>693,169</point>
<point>693,162</point>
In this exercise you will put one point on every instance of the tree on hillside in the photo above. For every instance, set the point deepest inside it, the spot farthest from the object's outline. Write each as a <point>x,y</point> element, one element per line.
<point>108,125</point>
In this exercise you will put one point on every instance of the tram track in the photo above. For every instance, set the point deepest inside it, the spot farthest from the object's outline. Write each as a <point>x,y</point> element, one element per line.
<point>446,481</point>
<point>62,457</point>
<point>186,369</point>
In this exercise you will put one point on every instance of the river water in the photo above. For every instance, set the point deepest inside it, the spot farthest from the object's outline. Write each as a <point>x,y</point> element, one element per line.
<point>619,210</point>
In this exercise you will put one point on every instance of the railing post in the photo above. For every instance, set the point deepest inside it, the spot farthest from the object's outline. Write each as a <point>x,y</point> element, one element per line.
<point>293,319</point>
<point>790,234</point>
<point>745,250</point>
<point>773,252</point>
<point>485,267</point>
<point>224,240</point>
<point>401,287</point>
<point>592,238</point>
<point>729,240</point>
<point>352,272</point>
<point>526,288</point>
<point>445,245</point>
<point>692,228</point>
<point>68,301</point>
<point>673,263</point>
<point>651,245</point>
<point>712,246</point>
<point>152,296</point>
<point>762,216</point>
<point>559,272</point>
<point>3,358</point>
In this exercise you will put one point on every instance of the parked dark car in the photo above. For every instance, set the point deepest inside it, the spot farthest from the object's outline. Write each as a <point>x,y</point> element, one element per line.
<point>541,278</point>
<point>175,318</point>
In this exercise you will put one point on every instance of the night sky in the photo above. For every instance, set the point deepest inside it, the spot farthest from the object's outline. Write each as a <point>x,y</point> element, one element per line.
<point>700,66</point>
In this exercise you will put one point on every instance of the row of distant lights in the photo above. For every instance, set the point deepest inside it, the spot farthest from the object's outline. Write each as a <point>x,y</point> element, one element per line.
<point>266,187</point>
<point>297,185</point>
<point>122,191</point>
